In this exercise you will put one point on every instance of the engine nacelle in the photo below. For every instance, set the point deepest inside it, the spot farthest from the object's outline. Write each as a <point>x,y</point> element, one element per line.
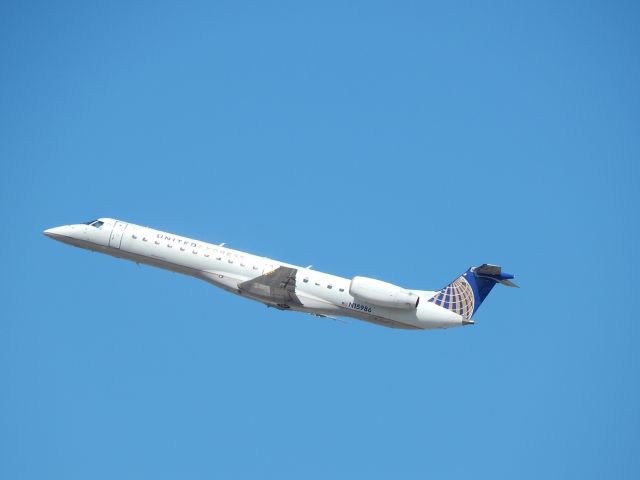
<point>382,293</point>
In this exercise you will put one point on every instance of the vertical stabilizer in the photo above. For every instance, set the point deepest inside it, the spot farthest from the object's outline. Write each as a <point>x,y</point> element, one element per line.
<point>465,294</point>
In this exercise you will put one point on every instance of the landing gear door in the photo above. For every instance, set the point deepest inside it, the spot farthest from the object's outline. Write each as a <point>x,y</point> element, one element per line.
<point>116,234</point>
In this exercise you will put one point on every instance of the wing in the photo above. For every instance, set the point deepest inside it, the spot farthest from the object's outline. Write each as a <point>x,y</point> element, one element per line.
<point>277,287</point>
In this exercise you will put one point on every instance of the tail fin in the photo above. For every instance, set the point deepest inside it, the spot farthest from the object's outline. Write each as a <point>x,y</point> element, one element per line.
<point>465,294</point>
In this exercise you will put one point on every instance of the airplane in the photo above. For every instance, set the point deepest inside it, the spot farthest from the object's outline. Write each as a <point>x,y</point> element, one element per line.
<point>290,287</point>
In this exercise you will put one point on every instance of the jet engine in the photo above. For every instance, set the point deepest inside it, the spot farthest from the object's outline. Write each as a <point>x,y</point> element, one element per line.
<point>382,293</point>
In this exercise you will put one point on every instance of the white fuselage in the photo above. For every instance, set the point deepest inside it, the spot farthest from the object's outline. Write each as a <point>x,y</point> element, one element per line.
<point>318,293</point>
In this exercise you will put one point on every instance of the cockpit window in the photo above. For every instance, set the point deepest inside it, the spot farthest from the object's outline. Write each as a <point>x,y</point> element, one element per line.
<point>95,223</point>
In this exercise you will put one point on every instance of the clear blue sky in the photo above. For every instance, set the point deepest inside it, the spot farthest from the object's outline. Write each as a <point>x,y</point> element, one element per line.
<point>400,140</point>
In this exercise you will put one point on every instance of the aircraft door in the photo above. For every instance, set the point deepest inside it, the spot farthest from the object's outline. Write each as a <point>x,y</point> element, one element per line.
<point>116,234</point>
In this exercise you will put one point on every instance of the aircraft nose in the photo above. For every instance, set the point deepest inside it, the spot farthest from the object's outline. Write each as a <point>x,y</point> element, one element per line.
<point>55,232</point>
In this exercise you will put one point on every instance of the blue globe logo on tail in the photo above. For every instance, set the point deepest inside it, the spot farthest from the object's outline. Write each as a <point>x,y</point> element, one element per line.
<point>457,297</point>
<point>465,294</point>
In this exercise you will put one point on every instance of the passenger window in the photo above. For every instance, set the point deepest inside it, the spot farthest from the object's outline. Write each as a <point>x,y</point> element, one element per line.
<point>342,289</point>
<point>306,280</point>
<point>329,287</point>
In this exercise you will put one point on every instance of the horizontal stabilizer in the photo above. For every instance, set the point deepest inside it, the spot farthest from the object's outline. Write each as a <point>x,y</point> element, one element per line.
<point>495,273</point>
<point>487,269</point>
